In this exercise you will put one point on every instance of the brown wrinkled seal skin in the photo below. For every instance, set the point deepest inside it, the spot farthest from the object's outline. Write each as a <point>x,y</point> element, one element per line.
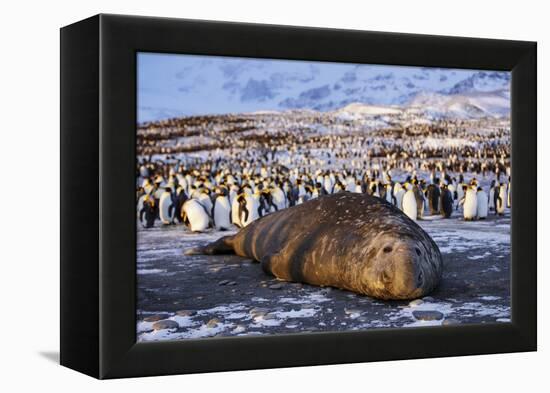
<point>346,240</point>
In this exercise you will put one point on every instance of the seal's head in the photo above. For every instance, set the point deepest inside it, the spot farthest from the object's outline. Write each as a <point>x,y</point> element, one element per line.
<point>398,268</point>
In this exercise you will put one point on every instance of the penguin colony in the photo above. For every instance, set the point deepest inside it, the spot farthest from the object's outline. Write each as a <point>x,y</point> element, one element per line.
<point>227,171</point>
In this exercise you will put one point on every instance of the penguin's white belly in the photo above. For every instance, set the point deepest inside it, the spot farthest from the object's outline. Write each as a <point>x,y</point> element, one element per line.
<point>235,212</point>
<point>222,210</point>
<point>198,219</point>
<point>492,198</point>
<point>459,193</point>
<point>158,193</point>
<point>252,206</point>
<point>164,209</point>
<point>420,209</point>
<point>482,204</point>
<point>388,195</point>
<point>140,204</point>
<point>470,205</point>
<point>502,202</point>
<point>399,198</point>
<point>279,199</point>
<point>328,186</point>
<point>206,202</point>
<point>409,205</point>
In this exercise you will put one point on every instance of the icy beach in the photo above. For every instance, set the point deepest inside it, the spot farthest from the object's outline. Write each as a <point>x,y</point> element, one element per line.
<point>183,297</point>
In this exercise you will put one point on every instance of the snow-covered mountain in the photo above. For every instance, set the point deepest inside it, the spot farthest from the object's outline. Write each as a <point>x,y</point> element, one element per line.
<point>473,104</point>
<point>482,81</point>
<point>179,85</point>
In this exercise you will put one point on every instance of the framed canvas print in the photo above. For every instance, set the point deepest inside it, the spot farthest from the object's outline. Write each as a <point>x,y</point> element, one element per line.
<point>295,196</point>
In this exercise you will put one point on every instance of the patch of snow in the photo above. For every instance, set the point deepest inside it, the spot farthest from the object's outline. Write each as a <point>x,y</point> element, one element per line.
<point>143,326</point>
<point>206,331</point>
<point>424,323</point>
<point>260,321</point>
<point>474,257</point>
<point>238,330</point>
<point>236,315</point>
<point>315,297</point>
<point>183,321</point>
<point>302,313</point>
<point>150,271</point>
<point>230,308</point>
<point>259,299</point>
<point>155,335</point>
<point>489,298</point>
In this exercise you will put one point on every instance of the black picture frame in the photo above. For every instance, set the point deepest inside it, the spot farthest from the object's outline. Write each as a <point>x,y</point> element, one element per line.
<point>98,236</point>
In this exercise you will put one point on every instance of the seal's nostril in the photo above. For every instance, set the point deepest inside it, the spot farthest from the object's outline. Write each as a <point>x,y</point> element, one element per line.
<point>418,252</point>
<point>420,278</point>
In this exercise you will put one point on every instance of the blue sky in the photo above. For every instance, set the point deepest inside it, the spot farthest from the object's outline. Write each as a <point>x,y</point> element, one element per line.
<point>172,85</point>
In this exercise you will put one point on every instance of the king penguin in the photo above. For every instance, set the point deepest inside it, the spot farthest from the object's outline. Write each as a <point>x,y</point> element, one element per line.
<point>409,203</point>
<point>204,198</point>
<point>398,193</point>
<point>253,207</point>
<point>433,194</point>
<point>447,202</point>
<point>221,212</point>
<point>482,204</point>
<point>195,215</point>
<point>238,209</point>
<point>501,199</point>
<point>470,204</point>
<point>492,196</point>
<point>166,207</point>
<point>279,198</point>
<point>419,195</point>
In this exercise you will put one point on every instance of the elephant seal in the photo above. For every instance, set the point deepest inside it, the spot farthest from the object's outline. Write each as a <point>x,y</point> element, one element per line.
<point>346,240</point>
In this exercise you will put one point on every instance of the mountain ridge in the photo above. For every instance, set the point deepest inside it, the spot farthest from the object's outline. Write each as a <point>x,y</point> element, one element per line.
<point>193,85</point>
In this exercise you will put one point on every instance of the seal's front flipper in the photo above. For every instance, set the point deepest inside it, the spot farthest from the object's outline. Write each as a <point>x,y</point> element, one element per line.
<point>268,262</point>
<point>275,264</point>
<point>223,245</point>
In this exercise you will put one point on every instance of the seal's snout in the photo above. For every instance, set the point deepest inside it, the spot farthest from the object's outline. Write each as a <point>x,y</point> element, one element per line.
<point>403,277</point>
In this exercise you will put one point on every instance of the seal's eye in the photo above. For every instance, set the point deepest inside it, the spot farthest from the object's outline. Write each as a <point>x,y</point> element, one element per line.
<point>418,252</point>
<point>387,249</point>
